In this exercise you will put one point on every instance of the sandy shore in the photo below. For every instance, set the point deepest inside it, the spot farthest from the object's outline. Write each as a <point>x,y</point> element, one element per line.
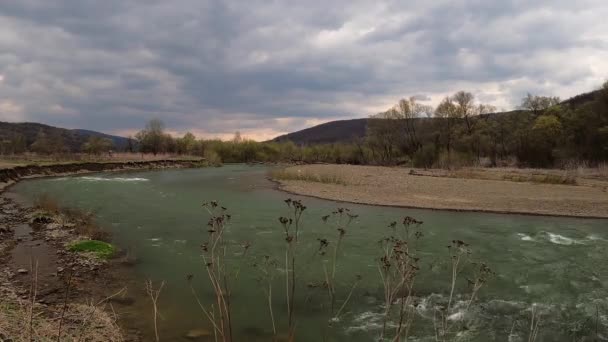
<point>397,187</point>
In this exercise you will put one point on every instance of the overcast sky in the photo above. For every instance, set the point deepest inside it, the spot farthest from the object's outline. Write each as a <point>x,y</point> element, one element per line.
<point>267,67</point>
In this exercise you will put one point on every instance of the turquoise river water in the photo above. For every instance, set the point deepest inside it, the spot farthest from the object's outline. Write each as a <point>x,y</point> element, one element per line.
<point>554,266</point>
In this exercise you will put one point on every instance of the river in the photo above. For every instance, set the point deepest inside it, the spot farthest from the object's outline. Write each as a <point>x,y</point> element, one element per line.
<point>555,265</point>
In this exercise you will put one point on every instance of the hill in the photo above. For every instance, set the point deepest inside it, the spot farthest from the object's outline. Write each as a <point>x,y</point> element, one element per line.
<point>329,132</point>
<point>120,143</point>
<point>72,138</point>
<point>345,131</point>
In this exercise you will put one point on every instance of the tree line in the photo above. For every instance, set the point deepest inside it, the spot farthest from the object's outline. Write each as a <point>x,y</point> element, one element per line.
<point>543,132</point>
<point>459,131</point>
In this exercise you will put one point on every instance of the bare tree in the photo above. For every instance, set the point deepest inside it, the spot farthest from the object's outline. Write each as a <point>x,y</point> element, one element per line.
<point>448,113</point>
<point>409,111</point>
<point>152,138</point>
<point>130,145</point>
<point>465,105</point>
<point>237,137</point>
<point>538,104</point>
<point>97,145</point>
<point>383,135</point>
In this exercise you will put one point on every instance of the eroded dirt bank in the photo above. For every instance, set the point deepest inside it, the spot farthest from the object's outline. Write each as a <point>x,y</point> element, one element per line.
<point>400,187</point>
<point>47,290</point>
<point>43,283</point>
<point>12,175</point>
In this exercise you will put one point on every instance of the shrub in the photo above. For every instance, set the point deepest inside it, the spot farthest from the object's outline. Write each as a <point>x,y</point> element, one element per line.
<point>212,158</point>
<point>455,160</point>
<point>47,203</point>
<point>425,157</point>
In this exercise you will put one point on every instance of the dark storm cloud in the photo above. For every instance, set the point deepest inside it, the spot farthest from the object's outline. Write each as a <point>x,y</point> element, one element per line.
<point>267,67</point>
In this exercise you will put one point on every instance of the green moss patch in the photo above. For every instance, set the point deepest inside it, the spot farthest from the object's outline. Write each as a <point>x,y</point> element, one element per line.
<point>100,249</point>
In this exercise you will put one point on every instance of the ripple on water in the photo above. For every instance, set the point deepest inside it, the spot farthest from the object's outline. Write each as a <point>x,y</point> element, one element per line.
<point>562,240</point>
<point>558,239</point>
<point>113,179</point>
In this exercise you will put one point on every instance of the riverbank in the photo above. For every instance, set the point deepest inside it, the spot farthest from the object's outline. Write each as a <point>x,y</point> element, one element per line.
<point>48,287</point>
<point>9,176</point>
<point>402,187</point>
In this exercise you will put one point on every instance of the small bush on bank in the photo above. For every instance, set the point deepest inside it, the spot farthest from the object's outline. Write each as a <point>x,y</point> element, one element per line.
<point>83,221</point>
<point>426,157</point>
<point>212,158</point>
<point>47,203</point>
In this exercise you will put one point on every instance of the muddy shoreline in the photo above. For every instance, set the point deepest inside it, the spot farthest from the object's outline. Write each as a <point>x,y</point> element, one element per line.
<point>33,254</point>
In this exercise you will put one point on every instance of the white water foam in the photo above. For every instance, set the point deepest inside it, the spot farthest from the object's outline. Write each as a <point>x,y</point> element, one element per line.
<point>366,321</point>
<point>114,179</point>
<point>562,240</point>
<point>594,237</point>
<point>457,316</point>
<point>525,237</point>
<point>559,239</point>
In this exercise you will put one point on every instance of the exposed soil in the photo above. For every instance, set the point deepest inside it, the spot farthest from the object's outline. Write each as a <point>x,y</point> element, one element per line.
<point>400,187</point>
<point>33,255</point>
<point>11,175</point>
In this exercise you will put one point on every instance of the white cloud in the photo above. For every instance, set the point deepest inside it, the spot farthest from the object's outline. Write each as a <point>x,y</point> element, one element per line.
<point>265,68</point>
<point>11,111</point>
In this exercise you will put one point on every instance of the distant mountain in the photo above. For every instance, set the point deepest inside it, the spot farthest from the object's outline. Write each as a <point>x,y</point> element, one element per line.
<point>581,99</point>
<point>344,131</point>
<point>329,132</point>
<point>120,143</point>
<point>73,138</point>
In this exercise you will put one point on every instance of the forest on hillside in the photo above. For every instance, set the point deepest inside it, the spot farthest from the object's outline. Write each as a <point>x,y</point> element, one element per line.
<point>544,132</point>
<point>460,131</point>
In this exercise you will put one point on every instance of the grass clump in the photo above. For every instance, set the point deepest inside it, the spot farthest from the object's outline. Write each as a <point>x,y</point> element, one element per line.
<point>47,203</point>
<point>100,249</point>
<point>83,221</point>
<point>542,179</point>
<point>308,176</point>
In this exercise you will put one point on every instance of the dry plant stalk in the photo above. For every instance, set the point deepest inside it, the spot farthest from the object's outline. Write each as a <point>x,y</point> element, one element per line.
<point>33,293</point>
<point>340,219</point>
<point>534,325</point>
<point>398,269</point>
<point>291,228</point>
<point>218,272</point>
<point>154,294</point>
<point>266,268</point>
<point>459,252</point>
<point>65,303</point>
<point>94,306</point>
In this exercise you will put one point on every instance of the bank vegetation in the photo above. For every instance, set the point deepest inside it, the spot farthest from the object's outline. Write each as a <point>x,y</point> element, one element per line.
<point>544,132</point>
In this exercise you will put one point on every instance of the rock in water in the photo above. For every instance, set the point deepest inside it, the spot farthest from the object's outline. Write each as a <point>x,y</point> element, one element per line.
<point>196,334</point>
